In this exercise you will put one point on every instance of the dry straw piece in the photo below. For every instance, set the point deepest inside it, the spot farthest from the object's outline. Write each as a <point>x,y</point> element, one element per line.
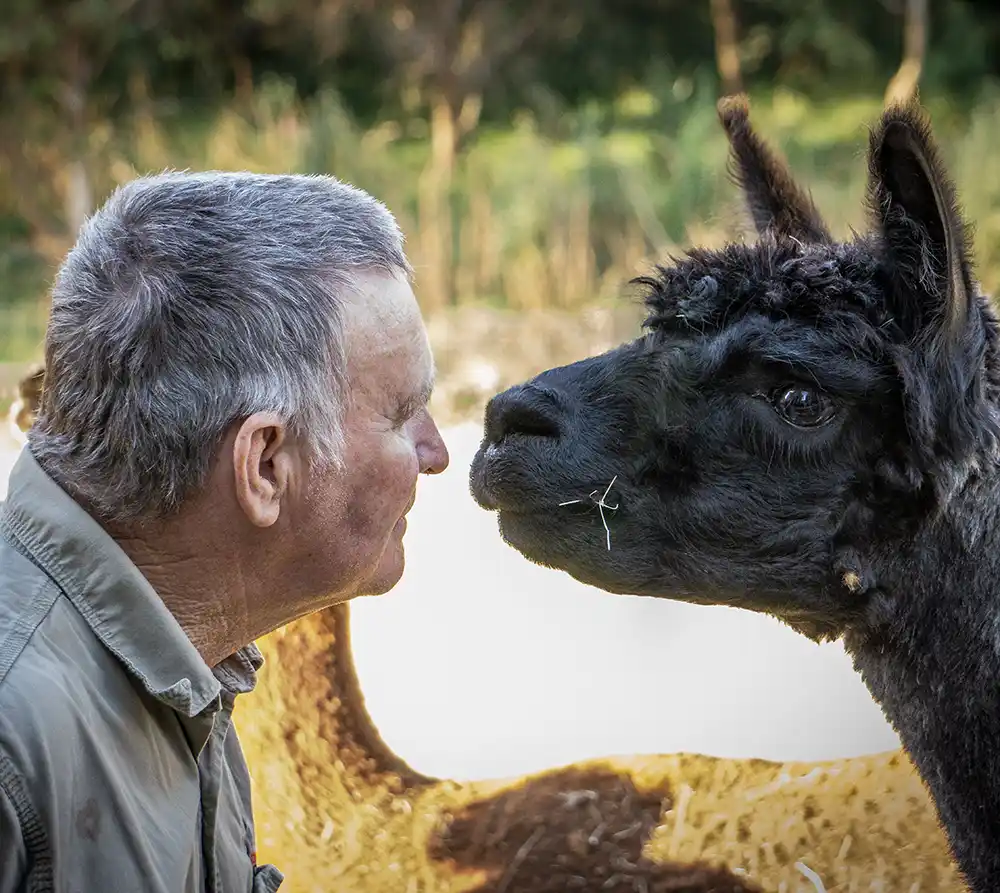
<point>601,506</point>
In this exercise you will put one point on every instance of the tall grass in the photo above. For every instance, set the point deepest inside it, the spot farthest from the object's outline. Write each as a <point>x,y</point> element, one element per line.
<point>558,216</point>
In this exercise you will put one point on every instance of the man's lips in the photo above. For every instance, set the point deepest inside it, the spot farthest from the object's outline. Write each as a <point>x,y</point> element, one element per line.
<point>406,511</point>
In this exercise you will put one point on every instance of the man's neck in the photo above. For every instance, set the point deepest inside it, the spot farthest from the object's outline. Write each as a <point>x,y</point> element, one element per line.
<point>203,587</point>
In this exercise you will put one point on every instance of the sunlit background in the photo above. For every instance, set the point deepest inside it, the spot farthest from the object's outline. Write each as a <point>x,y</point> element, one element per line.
<point>537,155</point>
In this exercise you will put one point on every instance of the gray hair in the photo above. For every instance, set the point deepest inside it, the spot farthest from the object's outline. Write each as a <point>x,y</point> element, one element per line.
<point>189,302</point>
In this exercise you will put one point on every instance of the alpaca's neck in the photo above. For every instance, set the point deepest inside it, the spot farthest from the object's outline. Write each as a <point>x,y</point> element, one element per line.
<point>308,737</point>
<point>930,656</point>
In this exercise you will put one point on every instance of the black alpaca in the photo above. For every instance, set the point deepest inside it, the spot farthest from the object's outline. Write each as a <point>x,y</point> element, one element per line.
<point>808,428</point>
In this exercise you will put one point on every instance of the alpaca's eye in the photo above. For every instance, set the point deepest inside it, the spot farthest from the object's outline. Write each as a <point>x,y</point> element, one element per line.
<point>803,407</point>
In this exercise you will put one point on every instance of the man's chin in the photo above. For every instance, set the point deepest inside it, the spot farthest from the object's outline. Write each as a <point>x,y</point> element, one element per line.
<point>387,573</point>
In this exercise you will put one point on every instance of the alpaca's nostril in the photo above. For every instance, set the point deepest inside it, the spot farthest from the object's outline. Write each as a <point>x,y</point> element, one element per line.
<point>529,420</point>
<point>524,410</point>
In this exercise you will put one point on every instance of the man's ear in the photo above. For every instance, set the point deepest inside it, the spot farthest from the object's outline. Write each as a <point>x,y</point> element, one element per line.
<point>913,205</point>
<point>263,466</point>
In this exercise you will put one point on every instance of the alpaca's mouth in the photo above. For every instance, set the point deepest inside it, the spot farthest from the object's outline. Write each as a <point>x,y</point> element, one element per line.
<point>493,496</point>
<point>486,478</point>
<point>500,480</point>
<point>519,480</point>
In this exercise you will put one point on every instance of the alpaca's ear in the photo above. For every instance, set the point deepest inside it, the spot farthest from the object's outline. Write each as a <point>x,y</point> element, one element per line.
<point>913,203</point>
<point>777,203</point>
<point>930,293</point>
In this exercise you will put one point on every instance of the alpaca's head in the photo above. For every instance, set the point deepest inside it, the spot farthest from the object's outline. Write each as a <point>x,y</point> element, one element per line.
<point>792,407</point>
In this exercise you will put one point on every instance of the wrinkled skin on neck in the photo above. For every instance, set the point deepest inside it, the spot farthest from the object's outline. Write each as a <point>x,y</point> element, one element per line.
<point>806,428</point>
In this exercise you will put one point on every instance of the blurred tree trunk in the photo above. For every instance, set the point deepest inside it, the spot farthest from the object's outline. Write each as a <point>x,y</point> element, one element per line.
<point>50,71</point>
<point>904,82</point>
<point>447,51</point>
<point>436,230</point>
<point>727,48</point>
<point>79,194</point>
<point>22,162</point>
<point>243,87</point>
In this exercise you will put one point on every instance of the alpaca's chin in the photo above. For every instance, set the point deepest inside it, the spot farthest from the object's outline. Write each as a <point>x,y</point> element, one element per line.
<point>576,548</point>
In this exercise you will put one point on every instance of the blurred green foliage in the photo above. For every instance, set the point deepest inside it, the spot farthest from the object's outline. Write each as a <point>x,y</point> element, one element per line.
<point>537,155</point>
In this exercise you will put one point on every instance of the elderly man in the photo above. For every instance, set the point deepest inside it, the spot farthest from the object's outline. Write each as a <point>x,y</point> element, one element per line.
<point>234,421</point>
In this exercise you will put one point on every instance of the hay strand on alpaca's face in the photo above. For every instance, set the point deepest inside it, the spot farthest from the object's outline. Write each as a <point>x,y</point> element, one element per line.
<point>601,506</point>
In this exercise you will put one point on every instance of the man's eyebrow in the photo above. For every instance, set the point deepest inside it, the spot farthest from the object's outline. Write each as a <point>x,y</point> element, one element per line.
<point>415,402</point>
<point>424,394</point>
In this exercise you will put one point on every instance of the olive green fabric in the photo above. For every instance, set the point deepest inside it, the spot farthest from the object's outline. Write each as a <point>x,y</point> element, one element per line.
<point>120,769</point>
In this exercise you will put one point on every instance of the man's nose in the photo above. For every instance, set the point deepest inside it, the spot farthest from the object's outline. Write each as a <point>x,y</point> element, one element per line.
<point>433,452</point>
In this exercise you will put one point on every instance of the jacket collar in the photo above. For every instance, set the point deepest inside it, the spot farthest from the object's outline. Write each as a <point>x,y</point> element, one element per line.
<point>113,596</point>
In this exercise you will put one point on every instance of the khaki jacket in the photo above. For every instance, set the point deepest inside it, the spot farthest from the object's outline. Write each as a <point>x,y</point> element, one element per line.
<point>120,769</point>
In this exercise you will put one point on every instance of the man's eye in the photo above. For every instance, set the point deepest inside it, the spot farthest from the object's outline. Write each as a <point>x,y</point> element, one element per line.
<point>404,414</point>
